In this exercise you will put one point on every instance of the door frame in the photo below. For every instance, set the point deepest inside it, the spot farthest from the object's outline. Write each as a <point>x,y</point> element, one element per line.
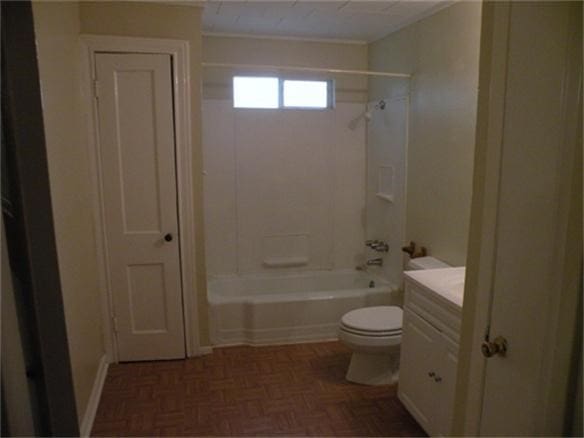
<point>179,54</point>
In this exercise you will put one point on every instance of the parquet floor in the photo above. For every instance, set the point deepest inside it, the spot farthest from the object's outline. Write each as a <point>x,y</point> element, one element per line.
<point>292,390</point>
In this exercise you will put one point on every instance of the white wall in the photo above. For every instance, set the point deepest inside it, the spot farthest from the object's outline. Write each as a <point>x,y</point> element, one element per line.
<point>57,34</point>
<point>282,185</point>
<point>387,137</point>
<point>281,52</point>
<point>442,53</point>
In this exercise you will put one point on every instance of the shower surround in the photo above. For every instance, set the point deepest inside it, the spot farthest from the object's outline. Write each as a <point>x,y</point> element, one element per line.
<point>284,189</point>
<point>285,210</point>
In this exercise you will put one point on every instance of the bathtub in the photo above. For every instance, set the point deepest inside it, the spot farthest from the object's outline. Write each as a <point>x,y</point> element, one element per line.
<point>289,308</point>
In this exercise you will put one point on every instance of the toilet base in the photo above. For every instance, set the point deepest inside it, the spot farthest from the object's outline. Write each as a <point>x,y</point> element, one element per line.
<point>373,369</point>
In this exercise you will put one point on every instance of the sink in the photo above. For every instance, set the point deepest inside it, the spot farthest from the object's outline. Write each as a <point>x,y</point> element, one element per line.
<point>447,283</point>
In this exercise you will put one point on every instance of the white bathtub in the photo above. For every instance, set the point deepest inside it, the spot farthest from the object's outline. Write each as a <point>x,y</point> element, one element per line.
<point>270,309</point>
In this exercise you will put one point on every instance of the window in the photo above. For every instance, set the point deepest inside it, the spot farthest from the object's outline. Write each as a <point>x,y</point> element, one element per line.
<point>255,92</point>
<point>272,93</point>
<point>305,94</point>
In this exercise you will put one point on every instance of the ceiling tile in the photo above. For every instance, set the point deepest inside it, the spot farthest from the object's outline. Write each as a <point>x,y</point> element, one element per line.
<point>368,6</point>
<point>337,19</point>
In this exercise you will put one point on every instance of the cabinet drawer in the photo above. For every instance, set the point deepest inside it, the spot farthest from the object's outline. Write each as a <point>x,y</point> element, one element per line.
<point>426,305</point>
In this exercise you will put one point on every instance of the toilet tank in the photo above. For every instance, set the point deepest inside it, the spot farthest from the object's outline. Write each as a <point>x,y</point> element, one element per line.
<point>420,263</point>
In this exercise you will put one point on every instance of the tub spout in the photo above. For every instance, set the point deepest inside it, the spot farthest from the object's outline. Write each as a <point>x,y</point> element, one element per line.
<point>375,262</point>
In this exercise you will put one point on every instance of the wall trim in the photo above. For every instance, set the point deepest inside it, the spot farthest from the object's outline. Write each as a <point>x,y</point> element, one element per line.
<point>179,52</point>
<point>93,402</point>
<point>205,349</point>
<point>284,38</point>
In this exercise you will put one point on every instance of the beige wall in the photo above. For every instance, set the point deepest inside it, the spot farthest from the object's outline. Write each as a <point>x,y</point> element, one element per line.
<point>284,52</point>
<point>149,20</point>
<point>442,53</point>
<point>57,30</point>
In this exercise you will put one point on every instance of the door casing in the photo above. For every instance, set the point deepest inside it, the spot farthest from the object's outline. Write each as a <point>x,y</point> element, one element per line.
<point>179,53</point>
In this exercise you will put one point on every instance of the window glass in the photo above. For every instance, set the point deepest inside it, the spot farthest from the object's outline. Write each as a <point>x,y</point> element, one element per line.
<point>305,94</point>
<point>255,92</point>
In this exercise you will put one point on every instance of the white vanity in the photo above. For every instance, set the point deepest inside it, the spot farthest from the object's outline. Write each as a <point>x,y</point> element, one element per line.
<point>429,351</point>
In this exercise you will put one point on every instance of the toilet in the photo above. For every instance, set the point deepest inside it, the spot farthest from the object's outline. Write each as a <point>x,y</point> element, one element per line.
<point>374,335</point>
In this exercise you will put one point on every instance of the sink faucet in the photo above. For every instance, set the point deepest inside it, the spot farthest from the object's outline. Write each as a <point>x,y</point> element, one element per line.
<point>375,262</point>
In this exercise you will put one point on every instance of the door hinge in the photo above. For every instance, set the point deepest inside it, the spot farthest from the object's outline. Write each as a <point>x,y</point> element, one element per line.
<point>115,324</point>
<point>96,88</point>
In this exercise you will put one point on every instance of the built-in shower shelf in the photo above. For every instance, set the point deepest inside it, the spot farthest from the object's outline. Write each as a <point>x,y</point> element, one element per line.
<point>285,262</point>
<point>385,197</point>
<point>385,183</point>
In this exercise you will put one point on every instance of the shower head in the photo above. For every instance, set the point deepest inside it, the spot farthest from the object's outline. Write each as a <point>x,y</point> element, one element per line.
<point>367,114</point>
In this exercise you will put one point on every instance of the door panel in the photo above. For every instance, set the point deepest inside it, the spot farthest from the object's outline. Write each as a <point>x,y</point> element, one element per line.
<point>448,370</point>
<point>418,359</point>
<point>539,75</point>
<point>136,133</point>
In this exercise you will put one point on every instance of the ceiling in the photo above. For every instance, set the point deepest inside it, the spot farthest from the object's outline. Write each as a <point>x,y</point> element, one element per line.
<point>355,20</point>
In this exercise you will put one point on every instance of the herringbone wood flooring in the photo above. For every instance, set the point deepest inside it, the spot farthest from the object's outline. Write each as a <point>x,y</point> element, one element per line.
<point>255,391</point>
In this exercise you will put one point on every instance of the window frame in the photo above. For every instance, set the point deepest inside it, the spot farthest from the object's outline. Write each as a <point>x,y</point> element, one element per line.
<point>330,93</point>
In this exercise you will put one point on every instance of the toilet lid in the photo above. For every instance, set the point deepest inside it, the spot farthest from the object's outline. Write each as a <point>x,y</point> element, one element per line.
<point>374,319</point>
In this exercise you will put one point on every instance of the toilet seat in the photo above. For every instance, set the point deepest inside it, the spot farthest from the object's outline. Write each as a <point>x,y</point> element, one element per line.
<point>378,321</point>
<point>373,334</point>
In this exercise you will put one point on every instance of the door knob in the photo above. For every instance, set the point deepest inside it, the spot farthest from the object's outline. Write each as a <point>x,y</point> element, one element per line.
<point>168,237</point>
<point>496,347</point>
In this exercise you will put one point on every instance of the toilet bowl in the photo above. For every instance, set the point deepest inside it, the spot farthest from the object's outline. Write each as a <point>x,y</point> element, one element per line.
<point>374,335</point>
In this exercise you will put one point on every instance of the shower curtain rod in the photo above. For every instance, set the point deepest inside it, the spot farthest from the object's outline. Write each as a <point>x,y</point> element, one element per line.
<point>314,69</point>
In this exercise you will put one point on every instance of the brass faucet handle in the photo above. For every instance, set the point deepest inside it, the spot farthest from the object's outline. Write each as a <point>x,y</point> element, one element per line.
<point>410,249</point>
<point>420,253</point>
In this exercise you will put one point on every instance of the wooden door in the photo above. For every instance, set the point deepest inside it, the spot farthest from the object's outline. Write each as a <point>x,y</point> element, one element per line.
<point>138,177</point>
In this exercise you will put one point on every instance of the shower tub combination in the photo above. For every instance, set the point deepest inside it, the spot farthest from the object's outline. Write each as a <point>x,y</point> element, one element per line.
<point>269,309</point>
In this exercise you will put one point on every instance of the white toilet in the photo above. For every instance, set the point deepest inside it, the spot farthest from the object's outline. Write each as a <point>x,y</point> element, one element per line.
<point>374,335</point>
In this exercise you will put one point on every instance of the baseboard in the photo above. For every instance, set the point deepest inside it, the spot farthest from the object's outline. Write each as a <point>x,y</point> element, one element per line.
<point>205,349</point>
<point>93,403</point>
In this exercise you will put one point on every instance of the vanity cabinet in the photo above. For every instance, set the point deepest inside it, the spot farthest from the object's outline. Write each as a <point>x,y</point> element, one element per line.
<point>429,357</point>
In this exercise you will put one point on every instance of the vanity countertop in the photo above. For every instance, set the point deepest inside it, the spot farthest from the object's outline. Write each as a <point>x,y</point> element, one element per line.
<point>447,283</point>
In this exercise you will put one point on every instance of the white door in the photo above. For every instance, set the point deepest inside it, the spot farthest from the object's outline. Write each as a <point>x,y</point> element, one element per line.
<point>137,162</point>
<point>530,131</point>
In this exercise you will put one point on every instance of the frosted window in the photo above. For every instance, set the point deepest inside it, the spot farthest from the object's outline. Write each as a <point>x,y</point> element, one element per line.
<point>255,92</point>
<point>305,94</point>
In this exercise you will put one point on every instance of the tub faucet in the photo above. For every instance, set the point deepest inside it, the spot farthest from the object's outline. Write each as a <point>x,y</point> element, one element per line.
<point>377,245</point>
<point>375,262</point>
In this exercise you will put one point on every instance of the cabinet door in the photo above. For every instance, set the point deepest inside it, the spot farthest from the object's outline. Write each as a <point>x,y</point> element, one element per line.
<point>447,369</point>
<point>418,365</point>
